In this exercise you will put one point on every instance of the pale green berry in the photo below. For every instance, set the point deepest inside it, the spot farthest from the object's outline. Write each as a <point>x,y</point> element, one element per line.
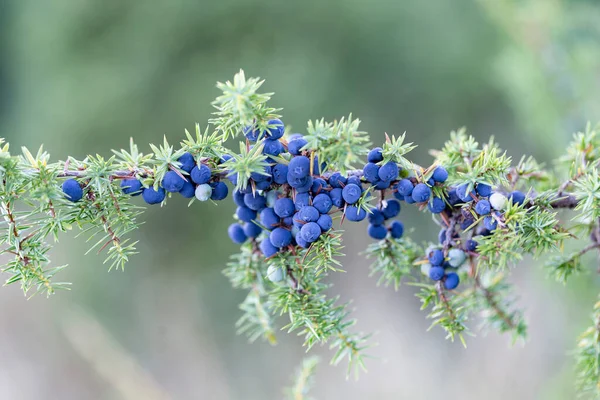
<point>203,192</point>
<point>275,274</point>
<point>271,197</point>
<point>456,257</point>
<point>425,269</point>
<point>498,201</point>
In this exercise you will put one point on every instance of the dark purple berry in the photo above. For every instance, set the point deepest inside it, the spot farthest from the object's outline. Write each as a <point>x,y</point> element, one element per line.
<point>463,195</point>
<point>404,187</point>
<point>490,223</point>
<point>273,147</point>
<point>255,201</point>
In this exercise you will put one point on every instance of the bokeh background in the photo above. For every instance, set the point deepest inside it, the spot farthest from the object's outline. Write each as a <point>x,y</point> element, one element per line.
<point>83,76</point>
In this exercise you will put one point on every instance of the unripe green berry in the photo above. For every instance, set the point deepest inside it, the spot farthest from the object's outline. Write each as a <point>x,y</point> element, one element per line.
<point>274,274</point>
<point>498,201</point>
<point>456,257</point>
<point>203,192</point>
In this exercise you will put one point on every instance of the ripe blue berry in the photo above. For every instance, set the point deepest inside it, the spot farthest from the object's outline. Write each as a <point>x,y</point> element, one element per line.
<point>466,223</point>
<point>325,222</point>
<point>375,155</point>
<point>233,178</point>
<point>284,207</point>
<point>273,147</point>
<point>187,162</point>
<point>245,214</point>
<point>436,205</point>
<point>267,248</point>
<point>299,167</point>
<point>337,180</point>
<point>436,273</point>
<point>255,201</point>
<point>252,230</point>
<point>302,200</point>
<point>131,186</point>
<point>337,197</point>
<point>308,214</point>
<point>490,223</point>
<point>296,182</point>
<point>463,195</point>
<point>391,209</point>
<point>451,281</point>
<point>300,241</point>
<point>268,218</point>
<point>203,192</point>
<point>377,232</point>
<point>381,185</point>
<point>306,186</point>
<point>436,257</point>
<point>471,245</point>
<point>404,187</point>
<point>396,229</point>
<point>262,176</point>
<point>421,193</point>
<point>355,214</point>
<point>220,190</point>
<point>351,193</point>
<point>483,190</point>
<point>371,172</point>
<point>200,174</point>
<point>172,182</point>
<point>238,198</point>
<point>236,233</point>
<point>389,171</point>
<point>440,174</point>
<point>409,200</point>
<point>453,198</point>
<point>72,190</point>
<point>376,217</point>
<point>288,221</point>
<point>152,196</point>
<point>264,185</point>
<point>355,180</point>
<point>322,202</point>
<point>280,237</point>
<point>251,133</point>
<point>483,207</point>
<point>280,172</point>
<point>310,231</point>
<point>188,190</point>
<point>295,145</point>
<point>318,186</point>
<point>517,197</point>
<point>275,128</point>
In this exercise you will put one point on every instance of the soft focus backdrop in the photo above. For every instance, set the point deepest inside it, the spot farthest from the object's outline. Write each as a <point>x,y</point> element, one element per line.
<point>83,76</point>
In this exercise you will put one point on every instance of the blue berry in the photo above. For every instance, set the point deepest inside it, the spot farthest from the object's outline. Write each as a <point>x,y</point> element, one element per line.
<point>264,185</point>
<point>131,186</point>
<point>188,190</point>
<point>224,158</point>
<point>355,214</point>
<point>268,218</point>
<point>337,180</point>
<point>322,202</point>
<point>267,248</point>
<point>255,201</point>
<point>452,280</point>
<point>337,197</point>
<point>275,128</point>
<point>308,214</point>
<point>187,162</point>
<point>483,207</point>
<point>355,180</point>
<point>405,187</point>
<point>302,200</point>
<point>288,221</point>
<point>262,176</point>
<point>376,217</point>
<point>442,236</point>
<point>466,223</point>
<point>391,209</point>
<point>325,222</point>
<point>306,186</point>
<point>377,232</point>
<point>280,172</point>
<point>72,190</point>
<point>152,196</point>
<point>245,214</point>
<point>396,229</point>
<point>280,237</point>
<point>440,174</point>
<point>296,182</point>
<point>436,205</point>
<point>284,207</point>
<point>517,197</point>
<point>409,200</point>
<point>463,195</point>
<point>238,198</point>
<point>389,171</point>
<point>220,191</point>
<point>233,178</point>
<point>490,223</point>
<point>436,257</point>
<point>351,193</point>
<point>371,172</point>
<point>203,192</point>
<point>273,147</point>
<point>172,182</point>
<point>295,146</point>
<point>299,167</point>
<point>381,185</point>
<point>317,167</point>
<point>310,231</point>
<point>236,233</point>
<point>453,198</point>
<point>318,186</point>
<point>301,242</point>
<point>375,155</point>
<point>436,273</point>
<point>483,189</point>
<point>252,230</point>
<point>430,182</point>
<point>471,245</point>
<point>251,133</point>
<point>200,174</point>
<point>421,193</point>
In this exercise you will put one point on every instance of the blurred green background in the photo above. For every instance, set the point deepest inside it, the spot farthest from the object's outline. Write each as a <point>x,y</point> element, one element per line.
<point>83,76</point>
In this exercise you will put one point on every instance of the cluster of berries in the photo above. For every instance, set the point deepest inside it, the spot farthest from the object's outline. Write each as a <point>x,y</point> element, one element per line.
<point>198,181</point>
